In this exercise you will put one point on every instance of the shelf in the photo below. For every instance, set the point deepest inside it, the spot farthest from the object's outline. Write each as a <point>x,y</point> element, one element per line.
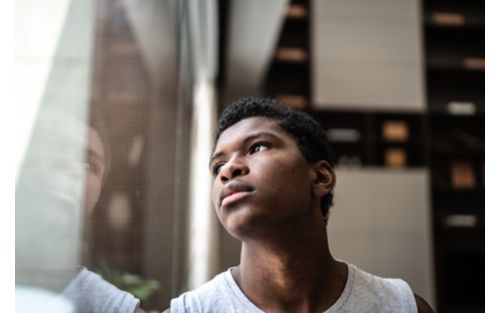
<point>463,193</point>
<point>457,201</point>
<point>455,48</point>
<point>453,146</point>
<point>438,109</point>
<point>454,13</point>
<point>459,93</point>
<point>455,63</point>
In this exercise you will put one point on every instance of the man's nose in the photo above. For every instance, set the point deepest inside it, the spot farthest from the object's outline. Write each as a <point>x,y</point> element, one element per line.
<point>232,169</point>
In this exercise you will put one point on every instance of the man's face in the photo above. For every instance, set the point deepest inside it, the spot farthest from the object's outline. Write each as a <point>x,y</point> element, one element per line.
<point>95,167</point>
<point>56,184</point>
<point>260,177</point>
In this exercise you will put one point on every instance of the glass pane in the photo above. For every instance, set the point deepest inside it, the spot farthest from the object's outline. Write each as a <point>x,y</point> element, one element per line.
<point>100,188</point>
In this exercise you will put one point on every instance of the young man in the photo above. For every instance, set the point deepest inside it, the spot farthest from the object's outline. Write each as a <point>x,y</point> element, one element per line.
<point>48,196</point>
<point>88,291</point>
<point>272,189</point>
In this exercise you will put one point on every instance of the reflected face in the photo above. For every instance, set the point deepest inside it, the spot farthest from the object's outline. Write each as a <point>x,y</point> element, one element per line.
<point>55,173</point>
<point>260,177</point>
<point>95,168</point>
<point>56,184</point>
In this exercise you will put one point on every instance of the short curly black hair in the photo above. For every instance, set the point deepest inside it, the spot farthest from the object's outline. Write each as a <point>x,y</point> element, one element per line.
<point>308,133</point>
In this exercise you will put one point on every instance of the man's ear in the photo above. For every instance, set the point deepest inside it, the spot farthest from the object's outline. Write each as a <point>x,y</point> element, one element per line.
<point>324,180</point>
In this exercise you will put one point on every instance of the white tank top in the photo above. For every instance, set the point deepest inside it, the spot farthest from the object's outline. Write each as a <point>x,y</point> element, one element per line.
<point>363,293</point>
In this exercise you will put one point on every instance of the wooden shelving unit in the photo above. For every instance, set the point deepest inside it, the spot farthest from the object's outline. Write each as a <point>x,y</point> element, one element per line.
<point>454,48</point>
<point>289,72</point>
<point>393,140</point>
<point>448,138</point>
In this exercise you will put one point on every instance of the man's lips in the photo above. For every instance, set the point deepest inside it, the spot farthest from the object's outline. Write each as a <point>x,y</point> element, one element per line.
<point>234,191</point>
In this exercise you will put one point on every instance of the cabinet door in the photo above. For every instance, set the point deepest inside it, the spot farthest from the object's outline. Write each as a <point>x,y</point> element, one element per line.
<point>367,55</point>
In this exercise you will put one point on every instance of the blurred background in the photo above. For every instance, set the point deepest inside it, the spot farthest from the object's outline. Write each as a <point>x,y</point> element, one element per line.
<point>117,106</point>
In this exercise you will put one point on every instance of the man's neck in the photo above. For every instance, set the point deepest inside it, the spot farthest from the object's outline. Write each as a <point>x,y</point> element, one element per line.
<point>291,271</point>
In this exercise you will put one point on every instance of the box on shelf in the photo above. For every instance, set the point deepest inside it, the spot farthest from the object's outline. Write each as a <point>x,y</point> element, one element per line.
<point>395,157</point>
<point>462,175</point>
<point>395,131</point>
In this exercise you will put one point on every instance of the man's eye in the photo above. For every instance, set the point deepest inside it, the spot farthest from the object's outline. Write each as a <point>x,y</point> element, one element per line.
<point>259,146</point>
<point>216,168</point>
<point>90,166</point>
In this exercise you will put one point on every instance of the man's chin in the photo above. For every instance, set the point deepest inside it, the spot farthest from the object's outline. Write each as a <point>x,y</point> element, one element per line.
<point>244,224</point>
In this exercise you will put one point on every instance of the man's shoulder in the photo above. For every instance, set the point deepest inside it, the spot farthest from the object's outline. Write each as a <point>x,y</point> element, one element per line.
<point>209,294</point>
<point>212,286</point>
<point>372,291</point>
<point>369,281</point>
<point>422,305</point>
<point>391,288</point>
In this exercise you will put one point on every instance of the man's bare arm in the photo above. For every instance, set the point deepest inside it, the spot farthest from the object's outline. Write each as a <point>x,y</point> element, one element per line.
<point>166,311</point>
<point>422,306</point>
